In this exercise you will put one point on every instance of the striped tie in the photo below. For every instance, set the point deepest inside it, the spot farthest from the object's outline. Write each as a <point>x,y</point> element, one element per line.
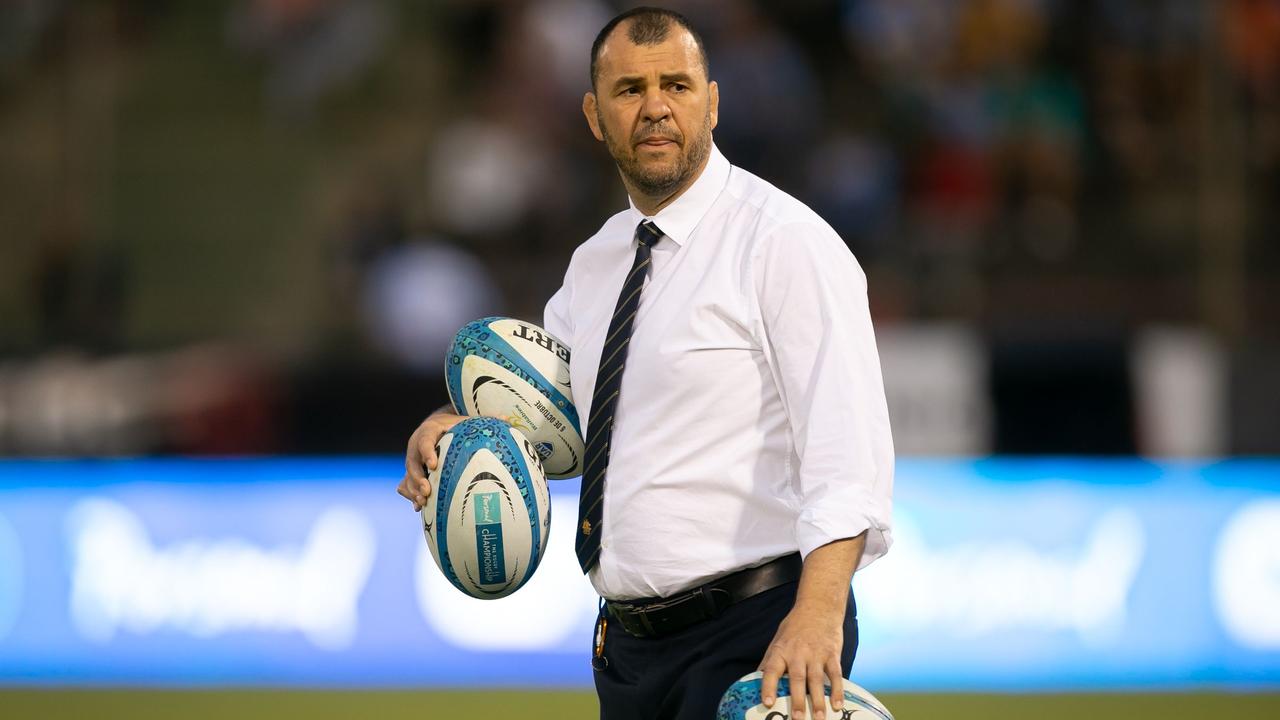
<point>604,401</point>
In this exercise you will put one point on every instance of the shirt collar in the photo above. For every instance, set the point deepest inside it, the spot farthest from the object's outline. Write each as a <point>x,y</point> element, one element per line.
<point>678,220</point>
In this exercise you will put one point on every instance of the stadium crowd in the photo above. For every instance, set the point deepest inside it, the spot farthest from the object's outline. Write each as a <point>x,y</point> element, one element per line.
<point>253,226</point>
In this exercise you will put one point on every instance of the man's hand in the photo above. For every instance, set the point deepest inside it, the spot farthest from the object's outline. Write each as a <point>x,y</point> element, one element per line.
<point>807,648</point>
<point>420,457</point>
<point>808,642</point>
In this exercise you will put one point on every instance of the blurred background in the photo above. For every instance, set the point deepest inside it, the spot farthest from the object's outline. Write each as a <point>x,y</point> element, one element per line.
<point>252,228</point>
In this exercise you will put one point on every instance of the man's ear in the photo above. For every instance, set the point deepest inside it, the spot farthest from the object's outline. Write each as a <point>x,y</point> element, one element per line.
<point>591,111</point>
<point>713,92</point>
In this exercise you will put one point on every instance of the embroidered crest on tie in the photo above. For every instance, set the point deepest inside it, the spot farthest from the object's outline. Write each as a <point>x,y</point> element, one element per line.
<point>604,399</point>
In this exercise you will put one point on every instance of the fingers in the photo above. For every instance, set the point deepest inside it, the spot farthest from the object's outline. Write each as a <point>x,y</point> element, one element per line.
<point>417,470</point>
<point>429,434</point>
<point>416,486</point>
<point>810,681</point>
<point>836,675</point>
<point>423,445</point>
<point>773,668</point>
<point>408,493</point>
<point>427,449</point>
<point>799,682</point>
<point>816,677</point>
<point>421,457</point>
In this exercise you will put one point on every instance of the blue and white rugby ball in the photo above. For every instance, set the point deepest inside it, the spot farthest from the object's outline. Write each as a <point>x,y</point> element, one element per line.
<point>742,702</point>
<point>489,514</point>
<point>516,371</point>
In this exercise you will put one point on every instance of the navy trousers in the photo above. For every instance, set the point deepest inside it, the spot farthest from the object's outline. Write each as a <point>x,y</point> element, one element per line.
<point>682,676</point>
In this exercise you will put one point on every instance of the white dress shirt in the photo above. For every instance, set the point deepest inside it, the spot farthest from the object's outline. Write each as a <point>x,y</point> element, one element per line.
<point>752,420</point>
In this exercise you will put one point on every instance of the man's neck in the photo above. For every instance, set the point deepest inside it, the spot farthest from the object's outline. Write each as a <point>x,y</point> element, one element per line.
<point>651,205</point>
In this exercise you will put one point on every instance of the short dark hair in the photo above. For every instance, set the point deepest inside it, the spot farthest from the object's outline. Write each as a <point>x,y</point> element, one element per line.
<point>650,26</point>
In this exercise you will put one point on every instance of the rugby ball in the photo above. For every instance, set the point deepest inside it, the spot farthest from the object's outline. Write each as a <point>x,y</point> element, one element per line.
<point>742,702</point>
<point>489,514</point>
<point>517,372</point>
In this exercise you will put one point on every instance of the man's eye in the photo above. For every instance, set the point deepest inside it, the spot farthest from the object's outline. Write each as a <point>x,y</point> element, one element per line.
<point>677,87</point>
<point>631,91</point>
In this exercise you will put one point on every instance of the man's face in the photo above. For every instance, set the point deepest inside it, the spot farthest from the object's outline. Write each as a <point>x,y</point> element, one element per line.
<point>654,109</point>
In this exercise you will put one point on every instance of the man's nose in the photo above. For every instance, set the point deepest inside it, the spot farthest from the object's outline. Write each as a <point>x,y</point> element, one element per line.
<point>655,106</point>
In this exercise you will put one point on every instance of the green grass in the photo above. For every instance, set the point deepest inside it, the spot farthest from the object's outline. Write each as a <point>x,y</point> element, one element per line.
<point>537,705</point>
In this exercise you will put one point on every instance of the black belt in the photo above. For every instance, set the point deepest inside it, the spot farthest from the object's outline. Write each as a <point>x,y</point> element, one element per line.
<point>663,616</point>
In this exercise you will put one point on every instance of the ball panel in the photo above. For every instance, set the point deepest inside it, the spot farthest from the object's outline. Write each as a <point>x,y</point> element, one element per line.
<point>493,391</point>
<point>433,512</point>
<point>526,358</point>
<point>542,500</point>
<point>538,501</point>
<point>529,360</point>
<point>740,698</point>
<point>490,536</point>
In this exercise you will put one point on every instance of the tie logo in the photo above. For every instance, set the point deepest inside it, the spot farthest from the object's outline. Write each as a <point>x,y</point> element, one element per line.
<point>586,527</point>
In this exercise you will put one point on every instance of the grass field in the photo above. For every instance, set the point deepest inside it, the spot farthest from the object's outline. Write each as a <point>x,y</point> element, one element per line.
<point>459,705</point>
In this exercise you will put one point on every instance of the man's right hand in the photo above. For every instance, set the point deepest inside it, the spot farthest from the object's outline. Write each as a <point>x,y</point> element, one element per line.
<point>420,458</point>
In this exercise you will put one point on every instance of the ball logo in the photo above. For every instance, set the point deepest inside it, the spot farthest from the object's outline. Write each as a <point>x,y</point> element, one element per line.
<point>493,566</point>
<point>542,340</point>
<point>490,552</point>
<point>535,453</point>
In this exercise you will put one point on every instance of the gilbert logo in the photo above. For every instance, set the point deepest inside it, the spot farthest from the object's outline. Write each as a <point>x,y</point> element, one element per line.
<point>542,340</point>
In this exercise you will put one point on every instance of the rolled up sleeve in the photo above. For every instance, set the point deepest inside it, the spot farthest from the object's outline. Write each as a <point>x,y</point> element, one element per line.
<point>820,346</point>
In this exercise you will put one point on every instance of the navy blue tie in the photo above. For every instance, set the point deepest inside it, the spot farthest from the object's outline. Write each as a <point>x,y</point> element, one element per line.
<point>604,401</point>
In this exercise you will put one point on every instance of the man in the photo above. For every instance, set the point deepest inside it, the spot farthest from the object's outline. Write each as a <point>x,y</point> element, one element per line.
<point>739,465</point>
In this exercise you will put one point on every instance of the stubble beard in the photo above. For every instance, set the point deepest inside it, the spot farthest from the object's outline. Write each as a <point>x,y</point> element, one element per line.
<point>660,181</point>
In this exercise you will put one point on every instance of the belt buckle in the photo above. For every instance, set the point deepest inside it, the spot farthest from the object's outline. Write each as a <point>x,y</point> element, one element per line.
<point>646,625</point>
<point>631,618</point>
<point>691,597</point>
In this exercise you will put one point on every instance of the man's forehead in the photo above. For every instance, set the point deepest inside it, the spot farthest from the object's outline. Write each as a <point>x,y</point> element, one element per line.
<point>620,56</point>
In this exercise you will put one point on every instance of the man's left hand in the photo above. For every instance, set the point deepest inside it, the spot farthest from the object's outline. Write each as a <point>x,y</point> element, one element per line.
<point>807,648</point>
<point>808,643</point>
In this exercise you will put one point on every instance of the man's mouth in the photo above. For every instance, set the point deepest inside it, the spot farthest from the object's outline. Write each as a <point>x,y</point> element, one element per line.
<point>656,142</point>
